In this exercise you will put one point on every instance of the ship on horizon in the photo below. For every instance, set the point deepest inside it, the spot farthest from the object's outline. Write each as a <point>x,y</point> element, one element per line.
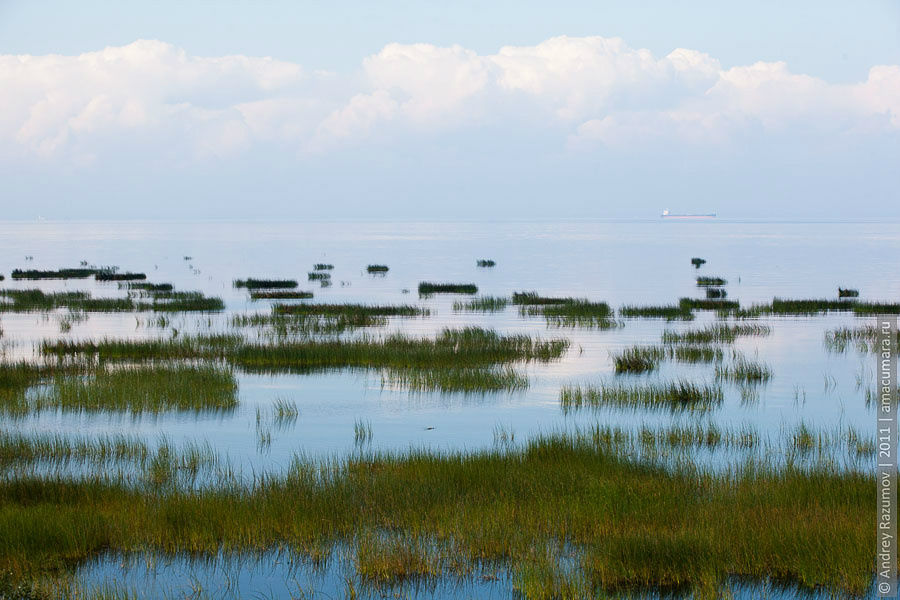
<point>668,215</point>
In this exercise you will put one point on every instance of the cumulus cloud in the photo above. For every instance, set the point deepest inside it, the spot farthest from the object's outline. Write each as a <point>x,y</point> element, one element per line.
<point>593,90</point>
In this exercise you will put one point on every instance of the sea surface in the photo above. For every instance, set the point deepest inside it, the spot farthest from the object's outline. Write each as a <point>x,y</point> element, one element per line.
<point>620,262</point>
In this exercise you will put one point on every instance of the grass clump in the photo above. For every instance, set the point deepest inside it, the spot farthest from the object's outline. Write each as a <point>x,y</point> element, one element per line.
<point>708,304</point>
<point>743,370</point>
<point>714,293</point>
<point>670,313</point>
<point>640,359</point>
<point>377,269</point>
<point>535,299</point>
<point>679,395</point>
<point>319,276</point>
<point>698,262</point>
<point>482,304</point>
<point>486,262</point>
<point>151,389</point>
<point>149,287</point>
<point>427,288</point>
<point>472,380</point>
<point>50,274</point>
<point>715,334</point>
<point>711,281</point>
<point>637,360</point>
<point>848,293</point>
<point>470,347</point>
<point>322,267</point>
<point>574,313</point>
<point>369,310</point>
<point>280,295</point>
<point>104,275</point>
<point>258,284</point>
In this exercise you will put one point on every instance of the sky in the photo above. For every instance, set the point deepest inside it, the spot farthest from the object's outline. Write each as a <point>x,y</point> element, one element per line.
<point>435,110</point>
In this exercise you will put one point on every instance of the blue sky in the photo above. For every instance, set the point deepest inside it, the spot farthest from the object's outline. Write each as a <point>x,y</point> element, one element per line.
<point>424,110</point>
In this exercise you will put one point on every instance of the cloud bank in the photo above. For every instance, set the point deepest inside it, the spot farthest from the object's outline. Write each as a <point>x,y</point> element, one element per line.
<point>584,93</point>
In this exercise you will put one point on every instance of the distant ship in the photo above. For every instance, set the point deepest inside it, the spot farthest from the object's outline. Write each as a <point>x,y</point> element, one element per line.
<point>667,215</point>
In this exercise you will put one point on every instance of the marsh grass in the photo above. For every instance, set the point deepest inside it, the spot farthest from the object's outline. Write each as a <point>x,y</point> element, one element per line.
<point>285,411</point>
<point>570,312</point>
<point>675,396</point>
<point>377,269</point>
<point>744,370</point>
<point>280,295</point>
<point>151,389</point>
<point>715,334</point>
<point>319,276</point>
<point>50,274</point>
<point>259,284</point>
<point>847,293</point>
<point>148,287</point>
<point>427,288</point>
<point>639,359</point>
<point>36,300</point>
<point>626,522</point>
<point>862,338</point>
<point>351,310</point>
<point>482,304</point>
<point>698,262</point>
<point>711,281</point>
<point>104,275</point>
<point>281,325</point>
<point>362,432</point>
<point>708,304</point>
<point>533,298</point>
<point>452,348</point>
<point>713,293</point>
<point>486,262</point>
<point>469,381</point>
<point>322,267</point>
<point>670,313</point>
<point>802,307</point>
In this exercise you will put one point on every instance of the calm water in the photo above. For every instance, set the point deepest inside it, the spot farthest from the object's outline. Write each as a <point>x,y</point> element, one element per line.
<point>618,262</point>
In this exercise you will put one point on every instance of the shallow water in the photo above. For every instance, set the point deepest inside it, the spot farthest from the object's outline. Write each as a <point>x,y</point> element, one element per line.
<point>641,263</point>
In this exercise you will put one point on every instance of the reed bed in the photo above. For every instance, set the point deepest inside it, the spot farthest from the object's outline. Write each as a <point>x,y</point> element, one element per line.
<point>259,284</point>
<point>675,396</point>
<point>716,334</point>
<point>377,269</point>
<point>486,262</point>
<point>452,348</point>
<point>628,523</point>
<point>468,381</point>
<point>280,295</point>
<point>426,288</point>
<point>482,304</point>
<point>711,281</point>
<point>146,389</point>
<point>743,370</point>
<point>670,313</point>
<point>368,310</point>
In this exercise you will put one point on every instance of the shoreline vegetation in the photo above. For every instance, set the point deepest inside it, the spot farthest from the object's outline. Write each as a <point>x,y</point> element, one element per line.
<point>627,524</point>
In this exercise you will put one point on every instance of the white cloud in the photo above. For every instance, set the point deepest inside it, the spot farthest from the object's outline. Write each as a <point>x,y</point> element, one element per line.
<point>150,95</point>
